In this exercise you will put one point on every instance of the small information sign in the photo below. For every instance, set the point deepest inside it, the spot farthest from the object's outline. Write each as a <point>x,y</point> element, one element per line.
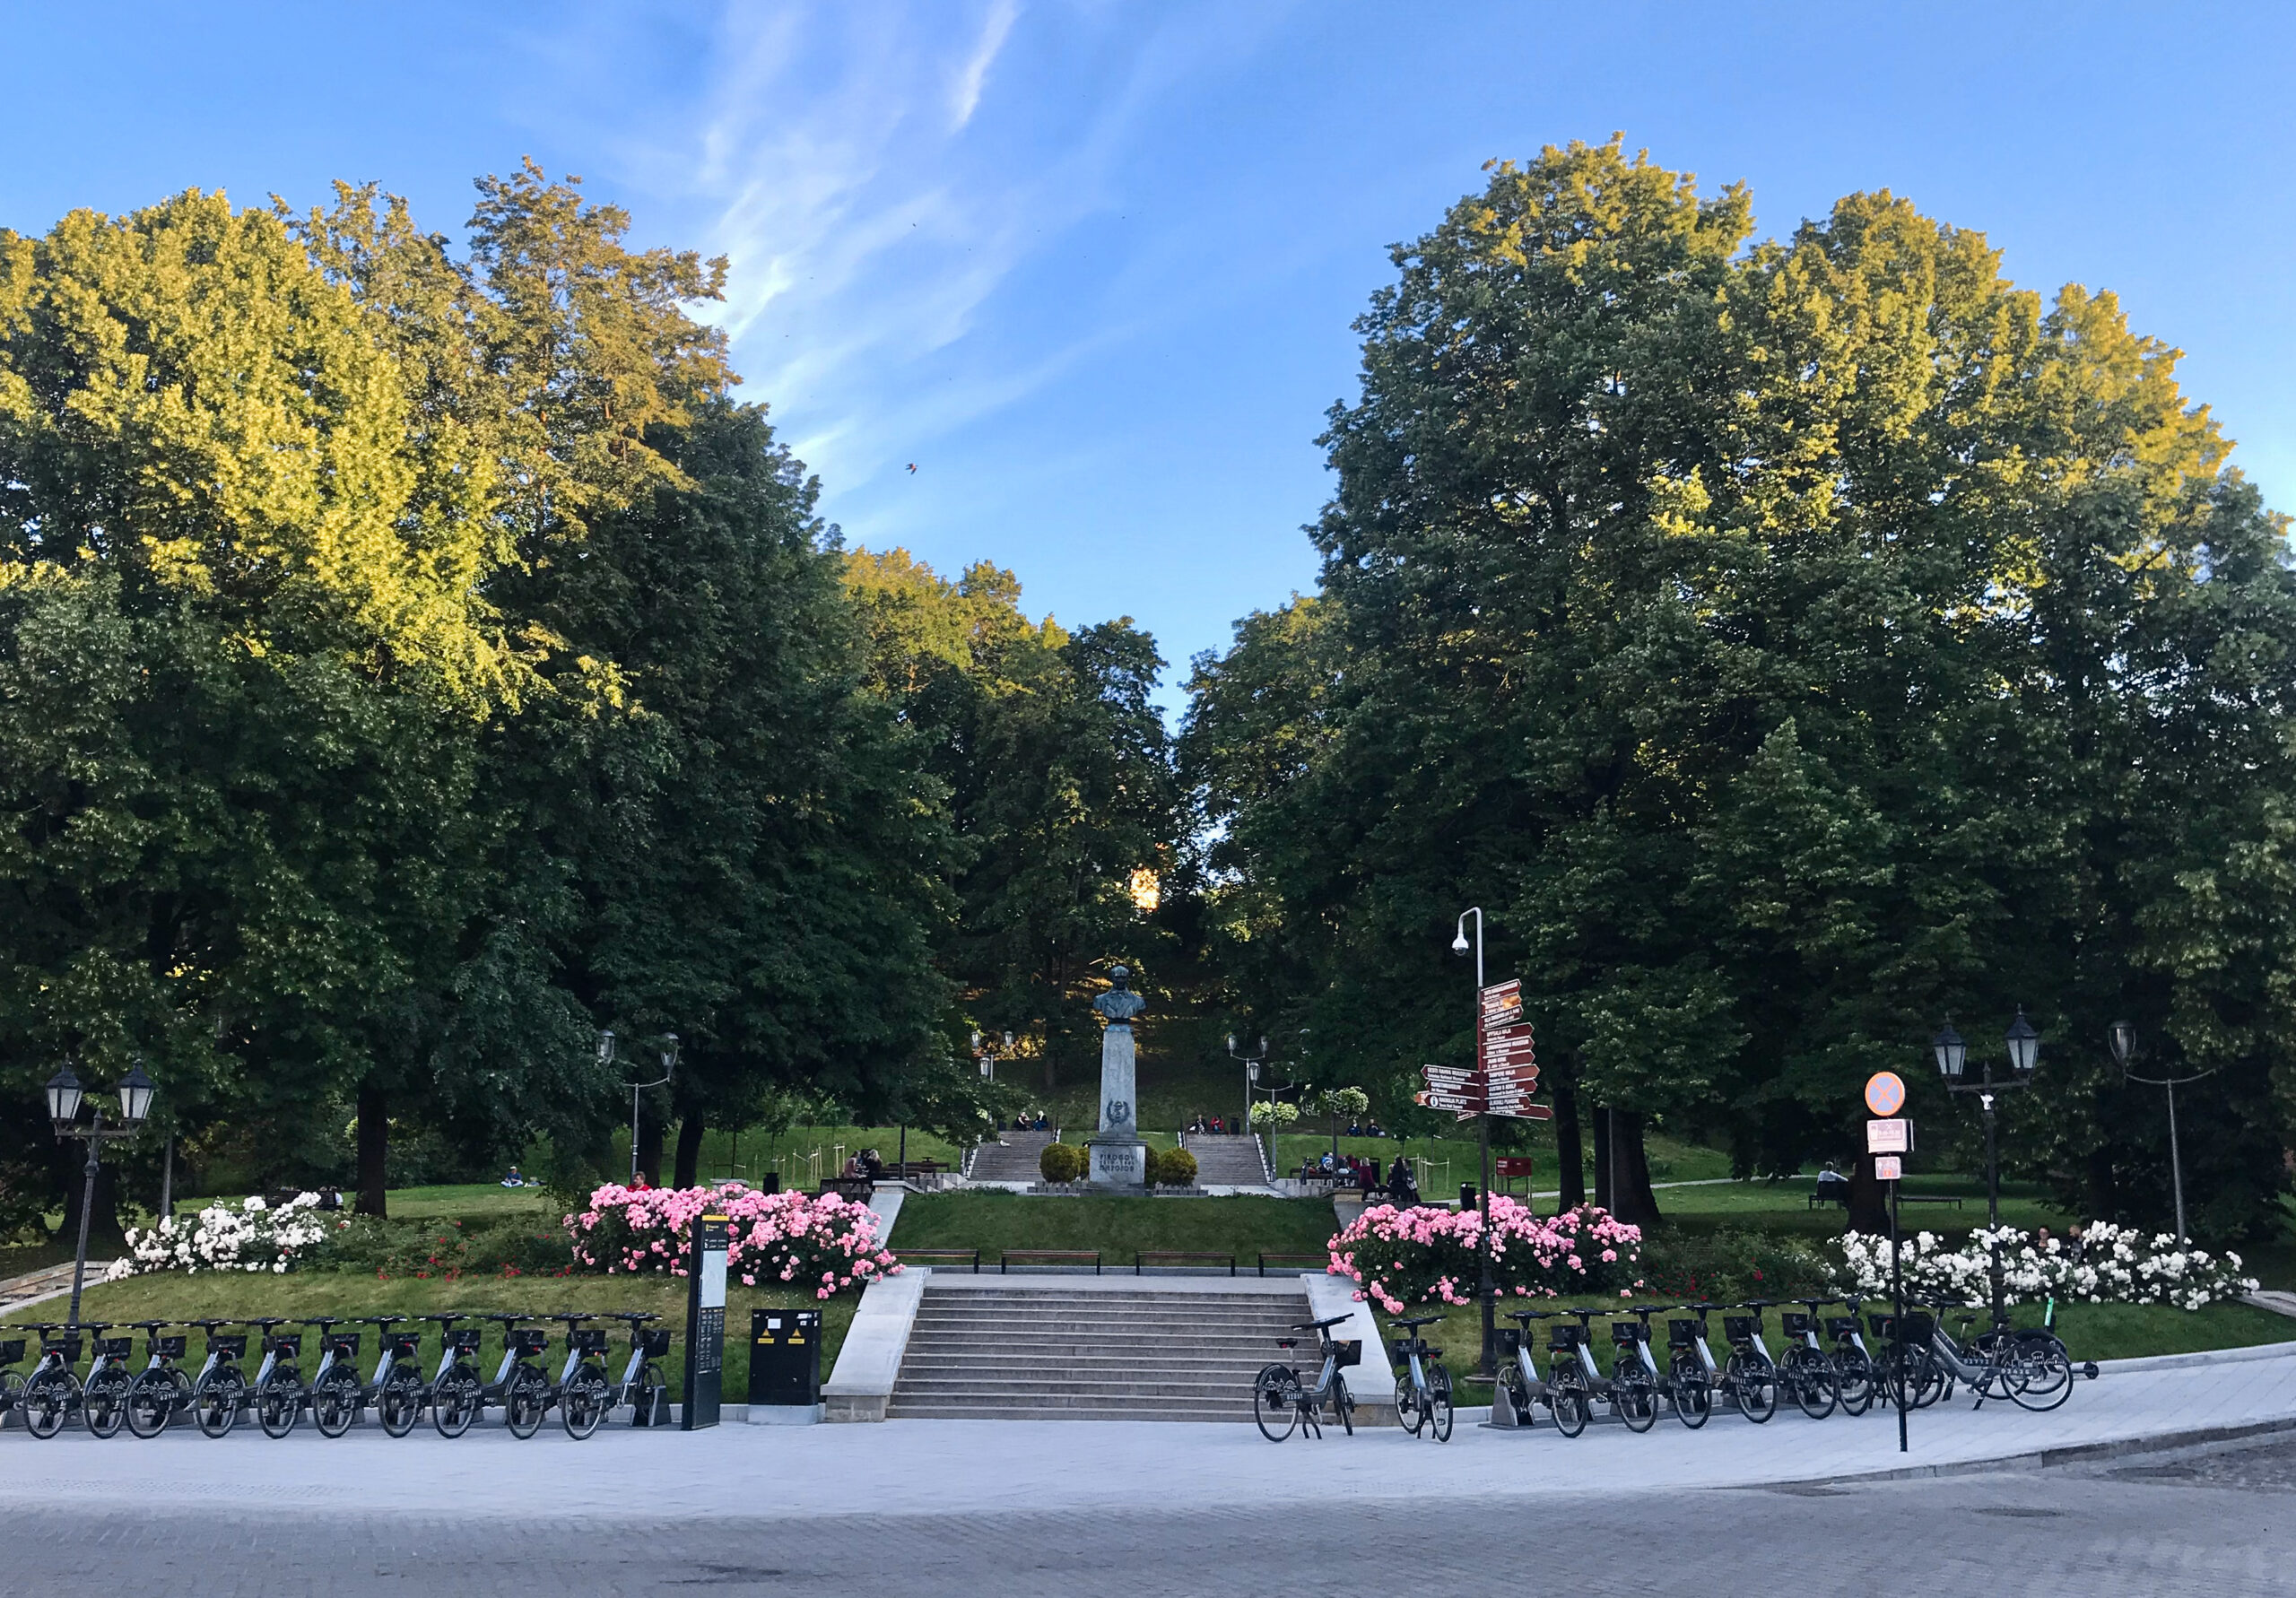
<point>1888,1136</point>
<point>1887,1167</point>
<point>1502,1003</point>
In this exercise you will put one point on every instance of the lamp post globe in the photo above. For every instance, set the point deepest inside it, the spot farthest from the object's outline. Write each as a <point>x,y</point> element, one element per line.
<point>1952,1053</point>
<point>136,1091</point>
<point>63,1096</point>
<point>606,1048</point>
<point>2123,1035</point>
<point>2024,1044</point>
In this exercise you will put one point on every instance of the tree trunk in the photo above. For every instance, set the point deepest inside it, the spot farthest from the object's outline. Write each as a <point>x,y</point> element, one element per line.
<point>104,1236</point>
<point>1571,1155</point>
<point>1869,1200</point>
<point>1604,1195</point>
<point>690,1131</point>
<point>1637,1205</point>
<point>2099,1186</point>
<point>374,1150</point>
<point>649,1147</point>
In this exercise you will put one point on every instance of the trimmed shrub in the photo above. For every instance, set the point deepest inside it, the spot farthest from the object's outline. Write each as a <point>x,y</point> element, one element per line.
<point>1426,1254</point>
<point>827,1243</point>
<point>1171,1168</point>
<point>1061,1162</point>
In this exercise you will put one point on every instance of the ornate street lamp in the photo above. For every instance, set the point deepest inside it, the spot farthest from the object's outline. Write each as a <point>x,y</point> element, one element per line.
<point>2025,1046</point>
<point>66,1100</point>
<point>669,1050</point>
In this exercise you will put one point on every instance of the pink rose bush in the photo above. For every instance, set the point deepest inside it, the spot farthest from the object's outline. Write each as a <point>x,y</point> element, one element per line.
<point>1424,1254</point>
<point>826,1244</point>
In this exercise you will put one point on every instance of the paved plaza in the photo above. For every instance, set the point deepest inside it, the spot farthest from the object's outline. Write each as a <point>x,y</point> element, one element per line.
<point>2027,1504</point>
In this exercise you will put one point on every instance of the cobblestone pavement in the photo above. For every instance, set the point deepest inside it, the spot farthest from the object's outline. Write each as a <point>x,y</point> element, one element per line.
<point>2214,1524</point>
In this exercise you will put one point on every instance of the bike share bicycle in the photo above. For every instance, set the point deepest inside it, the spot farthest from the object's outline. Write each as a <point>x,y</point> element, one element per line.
<point>397,1390</point>
<point>1747,1379</point>
<point>1278,1392</point>
<point>643,1388</point>
<point>1856,1378</point>
<point>219,1391</point>
<point>520,1385</point>
<point>1520,1385</point>
<point>279,1380</point>
<point>103,1391</point>
<point>12,1386</point>
<point>1423,1388</point>
<point>161,1390</point>
<point>582,1393</point>
<point>51,1394</point>
<point>457,1394</point>
<point>336,1397</point>
<point>1807,1373</point>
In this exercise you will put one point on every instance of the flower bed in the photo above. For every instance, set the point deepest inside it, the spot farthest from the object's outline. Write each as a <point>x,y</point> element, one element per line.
<point>1425,1254</point>
<point>825,1245</point>
<point>2109,1264</point>
<point>256,1236</point>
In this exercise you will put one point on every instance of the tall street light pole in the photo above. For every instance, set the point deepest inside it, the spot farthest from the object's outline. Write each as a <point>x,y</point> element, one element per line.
<point>2124,1041</point>
<point>1482,1189</point>
<point>670,1046</point>
<point>2025,1046</point>
<point>65,1098</point>
<point>1250,1063</point>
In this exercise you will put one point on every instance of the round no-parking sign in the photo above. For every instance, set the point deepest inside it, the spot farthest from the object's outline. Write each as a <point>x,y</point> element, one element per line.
<point>1884,1093</point>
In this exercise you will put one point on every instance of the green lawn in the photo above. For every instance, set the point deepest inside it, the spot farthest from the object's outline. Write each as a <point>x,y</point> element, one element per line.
<point>175,1297</point>
<point>1116,1227</point>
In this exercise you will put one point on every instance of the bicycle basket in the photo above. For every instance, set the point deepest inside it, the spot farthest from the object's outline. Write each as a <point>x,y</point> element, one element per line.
<point>1880,1324</point>
<point>1563,1339</point>
<point>1511,1340</point>
<point>1625,1334</point>
<point>657,1341</point>
<point>1795,1324</point>
<point>1350,1351</point>
<point>287,1347</point>
<point>588,1339</point>
<point>170,1348</point>
<point>1402,1349</point>
<point>12,1352</point>
<point>1919,1327</point>
<point>464,1339</point>
<point>1681,1334</point>
<point>69,1347</point>
<point>114,1348</point>
<point>1841,1326</point>
<point>345,1344</point>
<point>235,1345</point>
<point>529,1341</point>
<point>1738,1328</point>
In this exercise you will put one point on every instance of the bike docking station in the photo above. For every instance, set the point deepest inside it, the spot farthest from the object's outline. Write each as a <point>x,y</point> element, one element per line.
<point>784,1367</point>
<point>705,1324</point>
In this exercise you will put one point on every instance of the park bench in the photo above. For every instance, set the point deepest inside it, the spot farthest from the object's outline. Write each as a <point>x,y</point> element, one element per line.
<point>1832,1193</point>
<point>859,1189</point>
<point>1954,1199</point>
<point>1047,1256</point>
<point>940,1256</point>
<point>1181,1256</point>
<point>1294,1261</point>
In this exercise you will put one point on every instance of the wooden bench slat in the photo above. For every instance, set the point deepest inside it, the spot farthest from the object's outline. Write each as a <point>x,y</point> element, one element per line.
<point>1142,1256</point>
<point>1049,1256</point>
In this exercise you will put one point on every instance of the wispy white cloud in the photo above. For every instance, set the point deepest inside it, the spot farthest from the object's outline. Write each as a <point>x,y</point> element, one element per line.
<point>999,22</point>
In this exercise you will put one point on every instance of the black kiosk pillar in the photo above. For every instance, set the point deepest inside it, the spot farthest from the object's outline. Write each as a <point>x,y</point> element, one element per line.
<point>705,1324</point>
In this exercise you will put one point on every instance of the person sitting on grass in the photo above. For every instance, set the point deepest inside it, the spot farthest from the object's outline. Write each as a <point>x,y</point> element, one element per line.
<point>1371,1129</point>
<point>512,1178</point>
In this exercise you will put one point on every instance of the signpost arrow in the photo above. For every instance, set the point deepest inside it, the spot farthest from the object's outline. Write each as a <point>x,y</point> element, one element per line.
<point>1529,1112</point>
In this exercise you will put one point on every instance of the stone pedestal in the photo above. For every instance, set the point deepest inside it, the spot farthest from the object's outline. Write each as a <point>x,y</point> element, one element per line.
<point>1118,1159</point>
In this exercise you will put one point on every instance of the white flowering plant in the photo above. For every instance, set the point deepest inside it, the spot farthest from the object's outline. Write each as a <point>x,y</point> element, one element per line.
<point>253,1236</point>
<point>1269,1113</point>
<point>2105,1264</point>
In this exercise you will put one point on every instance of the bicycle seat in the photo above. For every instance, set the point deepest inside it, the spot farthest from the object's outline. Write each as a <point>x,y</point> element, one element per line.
<point>1412,1324</point>
<point>1336,1320</point>
<point>1527,1316</point>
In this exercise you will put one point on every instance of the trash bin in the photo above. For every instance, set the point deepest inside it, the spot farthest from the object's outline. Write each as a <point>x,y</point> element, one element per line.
<point>784,1367</point>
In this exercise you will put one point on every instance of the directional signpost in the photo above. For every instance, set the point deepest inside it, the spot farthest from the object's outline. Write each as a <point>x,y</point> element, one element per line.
<point>1888,1136</point>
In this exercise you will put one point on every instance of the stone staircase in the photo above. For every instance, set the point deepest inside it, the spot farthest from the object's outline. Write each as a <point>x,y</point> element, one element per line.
<point>1226,1160</point>
<point>1048,1353</point>
<point>47,1283</point>
<point>1013,1157</point>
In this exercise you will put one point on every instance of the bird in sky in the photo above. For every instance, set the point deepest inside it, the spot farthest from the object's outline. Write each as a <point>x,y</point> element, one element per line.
<point>912,465</point>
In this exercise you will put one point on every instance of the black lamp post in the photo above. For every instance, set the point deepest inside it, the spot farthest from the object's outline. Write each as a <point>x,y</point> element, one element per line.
<point>1487,1291</point>
<point>2124,1042</point>
<point>1250,1063</point>
<point>669,1068</point>
<point>65,1098</point>
<point>2025,1046</point>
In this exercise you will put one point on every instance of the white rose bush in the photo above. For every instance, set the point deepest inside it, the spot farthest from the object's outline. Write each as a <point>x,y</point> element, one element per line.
<point>2106,1264</point>
<point>253,1236</point>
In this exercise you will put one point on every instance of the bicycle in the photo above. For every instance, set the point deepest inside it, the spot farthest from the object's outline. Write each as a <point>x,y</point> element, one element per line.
<point>51,1393</point>
<point>1277,1389</point>
<point>103,1391</point>
<point>1634,1376</point>
<point>279,1393</point>
<point>219,1391</point>
<point>1806,1372</point>
<point>456,1395</point>
<point>12,1386</point>
<point>582,1393</point>
<point>1856,1376</point>
<point>1519,1383</point>
<point>398,1391</point>
<point>1423,1391</point>
<point>1685,1382</point>
<point>1747,1379</point>
<point>642,1387</point>
<point>336,1396</point>
<point>161,1389</point>
<point>520,1386</point>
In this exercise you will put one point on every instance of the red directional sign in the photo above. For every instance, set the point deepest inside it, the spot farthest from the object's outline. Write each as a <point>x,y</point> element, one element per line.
<point>1529,1112</point>
<point>1440,1074</point>
<point>1501,1003</point>
<point>1469,1104</point>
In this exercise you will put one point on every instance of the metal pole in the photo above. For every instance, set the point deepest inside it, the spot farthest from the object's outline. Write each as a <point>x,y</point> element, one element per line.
<point>1483,1192</point>
<point>1897,1323</point>
<point>1993,1202</point>
<point>633,1137</point>
<point>87,1203</point>
<point>2176,1165</point>
<point>168,1181</point>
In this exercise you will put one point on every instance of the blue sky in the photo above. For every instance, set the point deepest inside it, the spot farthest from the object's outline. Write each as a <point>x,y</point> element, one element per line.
<point>1091,266</point>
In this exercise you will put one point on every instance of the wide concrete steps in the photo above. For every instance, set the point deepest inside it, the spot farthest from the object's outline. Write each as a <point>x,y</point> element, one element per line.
<point>1099,1355</point>
<point>1011,1158</point>
<point>1227,1159</point>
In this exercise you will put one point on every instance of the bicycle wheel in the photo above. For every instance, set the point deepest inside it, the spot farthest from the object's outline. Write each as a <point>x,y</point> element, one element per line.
<point>455,1403</point>
<point>2040,1374</point>
<point>1693,1391</point>
<point>1343,1404</point>
<point>526,1401</point>
<point>11,1393</point>
<point>399,1405</point>
<point>1634,1398</point>
<point>1852,1380</point>
<point>336,1401</point>
<point>279,1401</point>
<point>49,1398</point>
<point>1513,1391</point>
<point>1275,1402</point>
<point>1438,1402</point>
<point>151,1402</point>
<point>1811,1375</point>
<point>1411,1414</point>
<point>1566,1399</point>
<point>1753,1384</point>
<point>103,1401</point>
<point>584,1404</point>
<point>216,1402</point>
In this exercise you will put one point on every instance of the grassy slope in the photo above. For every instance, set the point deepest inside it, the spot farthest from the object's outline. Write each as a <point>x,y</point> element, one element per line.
<point>174,1297</point>
<point>1116,1227</point>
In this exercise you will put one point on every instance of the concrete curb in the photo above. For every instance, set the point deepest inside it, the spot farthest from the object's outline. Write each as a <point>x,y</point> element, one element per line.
<point>2042,1459</point>
<point>861,1387</point>
<point>2262,1350</point>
